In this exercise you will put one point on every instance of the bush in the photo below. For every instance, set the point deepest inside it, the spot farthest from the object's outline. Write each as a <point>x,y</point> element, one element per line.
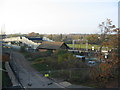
<point>59,62</point>
<point>60,52</point>
<point>22,49</point>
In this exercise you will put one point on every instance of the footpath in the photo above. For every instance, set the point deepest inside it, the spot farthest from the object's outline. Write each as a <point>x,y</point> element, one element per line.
<point>11,75</point>
<point>67,84</point>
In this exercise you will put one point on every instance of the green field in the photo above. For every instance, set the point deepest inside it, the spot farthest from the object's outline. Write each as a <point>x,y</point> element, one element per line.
<point>83,46</point>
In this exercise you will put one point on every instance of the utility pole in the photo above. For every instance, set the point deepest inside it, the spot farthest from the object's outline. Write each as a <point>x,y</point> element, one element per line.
<point>87,45</point>
<point>73,44</point>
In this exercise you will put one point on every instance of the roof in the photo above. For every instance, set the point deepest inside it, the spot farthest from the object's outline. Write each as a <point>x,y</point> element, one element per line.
<point>51,45</point>
<point>35,38</point>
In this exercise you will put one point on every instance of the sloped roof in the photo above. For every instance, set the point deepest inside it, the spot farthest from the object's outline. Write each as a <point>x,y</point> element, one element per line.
<point>51,45</point>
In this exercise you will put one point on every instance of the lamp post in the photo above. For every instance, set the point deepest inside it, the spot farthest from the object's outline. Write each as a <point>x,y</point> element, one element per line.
<point>73,44</point>
<point>87,45</point>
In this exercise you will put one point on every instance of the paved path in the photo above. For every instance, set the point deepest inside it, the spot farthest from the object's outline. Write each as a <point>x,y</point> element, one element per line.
<point>11,74</point>
<point>27,74</point>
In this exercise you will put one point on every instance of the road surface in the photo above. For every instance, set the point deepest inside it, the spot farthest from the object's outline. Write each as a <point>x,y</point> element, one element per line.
<point>27,74</point>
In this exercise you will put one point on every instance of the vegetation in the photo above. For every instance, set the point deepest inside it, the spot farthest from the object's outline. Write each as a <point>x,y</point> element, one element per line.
<point>107,72</point>
<point>22,49</point>
<point>83,46</point>
<point>62,64</point>
<point>61,59</point>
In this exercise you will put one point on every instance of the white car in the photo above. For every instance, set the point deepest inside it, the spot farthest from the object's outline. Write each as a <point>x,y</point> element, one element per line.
<point>80,57</point>
<point>91,62</point>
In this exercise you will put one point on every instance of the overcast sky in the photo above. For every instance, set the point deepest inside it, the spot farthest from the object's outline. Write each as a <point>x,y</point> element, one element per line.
<point>56,16</point>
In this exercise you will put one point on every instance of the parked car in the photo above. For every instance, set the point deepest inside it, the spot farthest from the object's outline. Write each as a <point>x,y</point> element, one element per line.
<point>80,57</point>
<point>91,62</point>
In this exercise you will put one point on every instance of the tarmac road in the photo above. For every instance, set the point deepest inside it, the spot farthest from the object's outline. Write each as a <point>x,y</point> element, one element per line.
<point>27,74</point>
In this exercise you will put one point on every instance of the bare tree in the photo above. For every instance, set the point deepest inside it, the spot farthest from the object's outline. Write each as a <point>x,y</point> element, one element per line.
<point>106,28</point>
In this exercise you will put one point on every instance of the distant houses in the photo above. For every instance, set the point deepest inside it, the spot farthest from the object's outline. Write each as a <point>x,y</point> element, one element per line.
<point>33,43</point>
<point>53,46</point>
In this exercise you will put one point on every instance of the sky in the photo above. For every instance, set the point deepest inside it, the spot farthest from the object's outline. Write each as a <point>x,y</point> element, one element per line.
<point>56,16</point>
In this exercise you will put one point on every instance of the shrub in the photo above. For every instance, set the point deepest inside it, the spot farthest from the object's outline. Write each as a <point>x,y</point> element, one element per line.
<point>22,49</point>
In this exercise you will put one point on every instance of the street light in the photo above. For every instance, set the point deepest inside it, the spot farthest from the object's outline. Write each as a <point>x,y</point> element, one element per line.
<point>87,45</point>
<point>73,44</point>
